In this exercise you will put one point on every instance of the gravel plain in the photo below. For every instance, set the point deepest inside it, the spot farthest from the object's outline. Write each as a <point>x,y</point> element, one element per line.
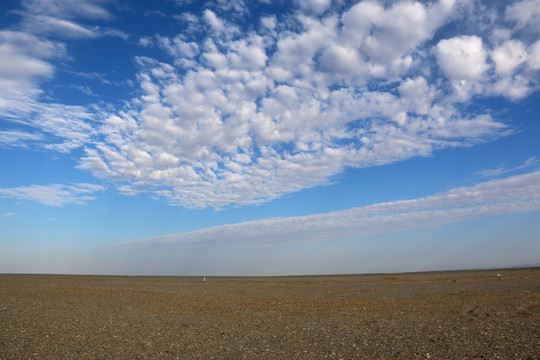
<point>493,314</point>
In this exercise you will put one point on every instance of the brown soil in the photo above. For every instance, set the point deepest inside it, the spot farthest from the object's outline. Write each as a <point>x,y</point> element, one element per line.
<point>443,315</point>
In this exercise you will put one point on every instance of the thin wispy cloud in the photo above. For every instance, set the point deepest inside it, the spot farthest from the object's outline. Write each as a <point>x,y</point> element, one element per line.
<point>63,18</point>
<point>54,195</point>
<point>511,195</point>
<point>11,138</point>
<point>25,63</point>
<point>503,170</point>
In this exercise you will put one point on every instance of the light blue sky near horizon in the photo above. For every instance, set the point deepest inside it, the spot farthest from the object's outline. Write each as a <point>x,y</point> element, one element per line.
<point>252,138</point>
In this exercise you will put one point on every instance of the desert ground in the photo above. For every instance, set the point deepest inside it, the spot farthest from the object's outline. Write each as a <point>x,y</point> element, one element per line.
<point>493,314</point>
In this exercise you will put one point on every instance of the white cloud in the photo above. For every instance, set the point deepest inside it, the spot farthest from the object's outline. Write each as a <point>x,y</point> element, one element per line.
<point>516,194</point>
<point>234,8</point>
<point>314,6</point>
<point>508,56</point>
<point>10,138</point>
<point>399,29</point>
<point>9,214</point>
<point>23,59</point>
<point>241,117</point>
<point>188,135</point>
<point>418,93</point>
<point>462,58</point>
<point>514,88</point>
<point>511,81</point>
<point>344,60</point>
<point>297,115</point>
<point>60,127</point>
<point>53,195</point>
<point>25,63</point>
<point>534,57</point>
<point>115,33</point>
<point>525,13</point>
<point>59,17</point>
<point>66,28</point>
<point>503,170</point>
<point>389,35</point>
<point>211,19</point>
<point>358,20</point>
<point>269,22</point>
<point>183,52</point>
<point>89,9</point>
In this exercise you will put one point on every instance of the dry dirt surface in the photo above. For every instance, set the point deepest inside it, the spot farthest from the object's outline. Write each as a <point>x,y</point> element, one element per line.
<point>439,315</point>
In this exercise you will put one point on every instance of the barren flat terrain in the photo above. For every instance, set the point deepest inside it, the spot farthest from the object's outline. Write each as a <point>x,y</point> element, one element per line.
<point>445,315</point>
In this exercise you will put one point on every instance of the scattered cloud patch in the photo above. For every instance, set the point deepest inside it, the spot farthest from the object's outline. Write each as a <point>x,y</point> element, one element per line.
<point>9,214</point>
<point>297,114</point>
<point>236,115</point>
<point>54,195</point>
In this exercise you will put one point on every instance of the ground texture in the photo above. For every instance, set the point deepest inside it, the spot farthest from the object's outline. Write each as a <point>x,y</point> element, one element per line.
<point>441,315</point>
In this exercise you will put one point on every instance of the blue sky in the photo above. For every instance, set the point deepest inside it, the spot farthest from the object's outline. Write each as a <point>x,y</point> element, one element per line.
<point>268,137</point>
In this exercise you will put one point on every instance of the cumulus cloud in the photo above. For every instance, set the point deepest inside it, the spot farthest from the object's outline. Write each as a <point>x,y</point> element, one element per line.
<point>205,137</point>
<point>508,56</point>
<point>510,195</point>
<point>242,123</point>
<point>53,195</point>
<point>462,57</point>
